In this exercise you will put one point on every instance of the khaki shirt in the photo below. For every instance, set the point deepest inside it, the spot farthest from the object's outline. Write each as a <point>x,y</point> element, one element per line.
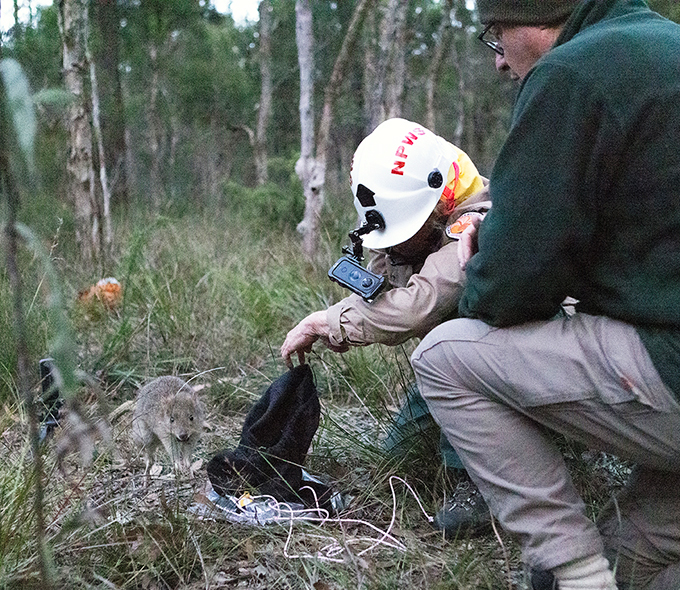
<point>421,297</point>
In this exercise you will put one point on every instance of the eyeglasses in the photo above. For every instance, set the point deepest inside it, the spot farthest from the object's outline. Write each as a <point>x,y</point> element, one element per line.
<point>490,39</point>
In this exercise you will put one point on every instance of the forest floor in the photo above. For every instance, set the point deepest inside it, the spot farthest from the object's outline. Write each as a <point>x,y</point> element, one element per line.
<point>123,530</point>
<point>213,305</point>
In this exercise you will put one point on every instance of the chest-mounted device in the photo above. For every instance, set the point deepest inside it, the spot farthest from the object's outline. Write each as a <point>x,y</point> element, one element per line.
<point>348,271</point>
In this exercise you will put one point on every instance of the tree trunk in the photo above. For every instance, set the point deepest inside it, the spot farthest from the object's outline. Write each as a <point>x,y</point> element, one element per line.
<point>264,112</point>
<point>374,76</point>
<point>460,105</point>
<point>305,167</point>
<point>103,176</point>
<point>155,129</point>
<point>310,169</point>
<point>385,63</point>
<point>394,91</point>
<point>435,67</point>
<point>80,171</point>
<point>113,112</point>
<point>174,128</point>
<point>130,161</point>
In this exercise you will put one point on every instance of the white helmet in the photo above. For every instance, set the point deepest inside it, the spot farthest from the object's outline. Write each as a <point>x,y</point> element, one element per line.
<point>400,170</point>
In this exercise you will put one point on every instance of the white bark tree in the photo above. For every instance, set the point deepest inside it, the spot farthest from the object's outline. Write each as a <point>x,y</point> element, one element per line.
<point>155,128</point>
<point>73,25</point>
<point>458,60</point>
<point>306,166</point>
<point>311,167</point>
<point>396,68</point>
<point>265,109</point>
<point>385,63</point>
<point>103,175</point>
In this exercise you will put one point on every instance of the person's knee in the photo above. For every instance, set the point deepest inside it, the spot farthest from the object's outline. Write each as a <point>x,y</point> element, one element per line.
<point>430,358</point>
<point>452,333</point>
<point>446,349</point>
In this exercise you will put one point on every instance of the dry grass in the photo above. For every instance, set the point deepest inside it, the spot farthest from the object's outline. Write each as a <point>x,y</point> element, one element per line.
<point>108,528</point>
<point>211,297</point>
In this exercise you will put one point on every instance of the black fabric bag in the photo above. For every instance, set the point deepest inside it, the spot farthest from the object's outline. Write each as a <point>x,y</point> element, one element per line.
<point>276,436</point>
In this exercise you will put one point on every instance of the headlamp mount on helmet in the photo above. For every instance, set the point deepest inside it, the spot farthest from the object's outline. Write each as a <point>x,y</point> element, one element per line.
<point>348,271</point>
<point>374,220</point>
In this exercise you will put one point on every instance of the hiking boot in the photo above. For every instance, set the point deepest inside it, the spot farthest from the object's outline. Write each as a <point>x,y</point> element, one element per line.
<point>465,514</point>
<point>543,580</point>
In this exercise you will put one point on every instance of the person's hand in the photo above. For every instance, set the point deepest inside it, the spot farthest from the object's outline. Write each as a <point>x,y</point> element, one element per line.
<point>467,245</point>
<point>300,339</point>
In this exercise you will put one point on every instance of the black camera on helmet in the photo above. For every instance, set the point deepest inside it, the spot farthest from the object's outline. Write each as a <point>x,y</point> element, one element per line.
<point>349,272</point>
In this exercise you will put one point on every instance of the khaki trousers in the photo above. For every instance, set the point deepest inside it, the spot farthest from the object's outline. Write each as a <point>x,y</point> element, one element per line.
<point>495,391</point>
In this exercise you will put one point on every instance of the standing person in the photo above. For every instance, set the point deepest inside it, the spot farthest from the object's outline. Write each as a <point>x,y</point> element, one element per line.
<point>586,203</point>
<point>426,189</point>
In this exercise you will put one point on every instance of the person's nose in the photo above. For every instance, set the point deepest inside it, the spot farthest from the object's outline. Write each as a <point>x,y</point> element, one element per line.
<point>503,67</point>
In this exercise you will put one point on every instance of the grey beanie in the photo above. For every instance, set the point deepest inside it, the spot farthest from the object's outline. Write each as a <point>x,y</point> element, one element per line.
<point>525,12</point>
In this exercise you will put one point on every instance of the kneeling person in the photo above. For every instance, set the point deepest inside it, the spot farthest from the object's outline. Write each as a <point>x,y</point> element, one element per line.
<point>427,190</point>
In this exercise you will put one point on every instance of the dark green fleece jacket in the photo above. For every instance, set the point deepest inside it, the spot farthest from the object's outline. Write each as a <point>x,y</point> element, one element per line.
<point>586,190</point>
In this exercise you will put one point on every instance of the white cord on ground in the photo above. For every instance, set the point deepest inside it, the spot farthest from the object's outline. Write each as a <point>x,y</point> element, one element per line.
<point>330,551</point>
